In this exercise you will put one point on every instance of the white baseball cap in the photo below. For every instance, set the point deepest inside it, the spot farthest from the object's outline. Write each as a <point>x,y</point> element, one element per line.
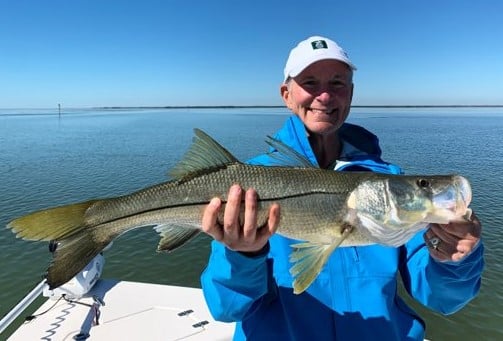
<point>312,50</point>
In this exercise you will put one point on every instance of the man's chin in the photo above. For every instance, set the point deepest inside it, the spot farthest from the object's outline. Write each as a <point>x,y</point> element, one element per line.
<point>322,127</point>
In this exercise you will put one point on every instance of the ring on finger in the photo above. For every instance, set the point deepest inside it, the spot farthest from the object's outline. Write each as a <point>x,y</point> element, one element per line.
<point>434,243</point>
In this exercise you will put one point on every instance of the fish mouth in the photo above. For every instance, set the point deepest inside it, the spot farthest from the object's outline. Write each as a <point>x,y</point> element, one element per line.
<point>454,200</point>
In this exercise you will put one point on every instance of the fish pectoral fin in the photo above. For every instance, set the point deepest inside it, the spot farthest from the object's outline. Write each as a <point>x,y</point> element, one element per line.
<point>174,236</point>
<point>309,258</point>
<point>51,224</point>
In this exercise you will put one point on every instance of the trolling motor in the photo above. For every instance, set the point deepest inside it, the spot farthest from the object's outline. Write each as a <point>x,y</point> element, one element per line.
<point>82,283</point>
<point>75,288</point>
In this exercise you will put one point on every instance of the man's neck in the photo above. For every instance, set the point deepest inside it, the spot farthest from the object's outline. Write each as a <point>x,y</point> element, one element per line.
<point>327,148</point>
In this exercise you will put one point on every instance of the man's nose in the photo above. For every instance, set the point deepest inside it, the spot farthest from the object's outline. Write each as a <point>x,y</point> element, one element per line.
<point>324,96</point>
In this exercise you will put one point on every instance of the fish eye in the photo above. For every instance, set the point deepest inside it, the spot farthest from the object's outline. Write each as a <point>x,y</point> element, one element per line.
<point>423,183</point>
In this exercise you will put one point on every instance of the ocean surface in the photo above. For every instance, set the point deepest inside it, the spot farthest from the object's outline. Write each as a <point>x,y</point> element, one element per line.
<point>48,160</point>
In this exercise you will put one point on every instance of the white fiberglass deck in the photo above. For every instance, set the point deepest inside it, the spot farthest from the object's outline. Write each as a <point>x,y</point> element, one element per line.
<point>131,311</point>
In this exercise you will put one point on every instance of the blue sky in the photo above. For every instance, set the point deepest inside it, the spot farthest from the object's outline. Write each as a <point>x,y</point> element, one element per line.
<point>86,53</point>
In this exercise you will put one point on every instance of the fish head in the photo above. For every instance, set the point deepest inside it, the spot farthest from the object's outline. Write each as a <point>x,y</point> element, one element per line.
<point>400,201</point>
<point>430,199</point>
<point>451,198</point>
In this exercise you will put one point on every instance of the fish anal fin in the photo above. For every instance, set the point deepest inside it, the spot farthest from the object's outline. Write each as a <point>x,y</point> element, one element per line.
<point>51,224</point>
<point>174,236</point>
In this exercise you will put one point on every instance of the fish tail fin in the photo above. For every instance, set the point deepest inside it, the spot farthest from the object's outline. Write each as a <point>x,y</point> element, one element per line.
<point>308,259</point>
<point>51,224</point>
<point>72,255</point>
<point>174,236</point>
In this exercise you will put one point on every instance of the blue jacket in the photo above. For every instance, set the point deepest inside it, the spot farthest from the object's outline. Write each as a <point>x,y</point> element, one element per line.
<point>355,296</point>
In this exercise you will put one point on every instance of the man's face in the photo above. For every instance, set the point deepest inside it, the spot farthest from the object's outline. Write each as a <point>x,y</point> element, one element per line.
<point>321,95</point>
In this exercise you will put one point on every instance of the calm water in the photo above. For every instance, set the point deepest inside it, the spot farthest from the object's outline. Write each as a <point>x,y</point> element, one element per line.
<point>47,161</point>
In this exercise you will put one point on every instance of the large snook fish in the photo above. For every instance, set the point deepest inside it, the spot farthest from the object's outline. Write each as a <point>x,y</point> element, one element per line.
<point>321,208</point>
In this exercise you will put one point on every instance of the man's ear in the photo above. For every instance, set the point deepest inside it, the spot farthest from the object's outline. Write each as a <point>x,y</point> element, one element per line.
<point>285,93</point>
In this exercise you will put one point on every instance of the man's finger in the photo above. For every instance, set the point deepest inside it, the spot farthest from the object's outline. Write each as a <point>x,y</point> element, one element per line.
<point>250,220</point>
<point>231,213</point>
<point>210,219</point>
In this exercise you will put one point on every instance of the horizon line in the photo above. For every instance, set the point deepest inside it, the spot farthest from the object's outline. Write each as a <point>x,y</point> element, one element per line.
<point>282,106</point>
<point>114,107</point>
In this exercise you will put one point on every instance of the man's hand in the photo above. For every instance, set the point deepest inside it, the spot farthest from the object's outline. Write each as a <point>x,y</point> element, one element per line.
<point>453,241</point>
<point>246,238</point>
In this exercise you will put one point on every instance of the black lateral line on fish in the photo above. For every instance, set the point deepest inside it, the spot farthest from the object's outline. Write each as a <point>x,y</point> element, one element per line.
<point>206,202</point>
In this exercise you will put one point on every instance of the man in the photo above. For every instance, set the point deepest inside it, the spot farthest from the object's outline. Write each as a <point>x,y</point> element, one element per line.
<point>355,296</point>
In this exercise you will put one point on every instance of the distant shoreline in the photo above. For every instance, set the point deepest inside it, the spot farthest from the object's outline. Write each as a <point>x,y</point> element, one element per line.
<point>282,106</point>
<point>388,106</point>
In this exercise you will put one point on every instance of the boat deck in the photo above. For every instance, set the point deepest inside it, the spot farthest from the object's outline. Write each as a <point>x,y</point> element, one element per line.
<point>130,311</point>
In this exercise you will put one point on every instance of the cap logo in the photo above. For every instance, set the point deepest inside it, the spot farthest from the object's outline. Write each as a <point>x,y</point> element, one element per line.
<point>319,44</point>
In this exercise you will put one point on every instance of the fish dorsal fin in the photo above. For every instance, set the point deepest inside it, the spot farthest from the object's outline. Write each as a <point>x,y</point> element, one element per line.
<point>204,153</point>
<point>287,156</point>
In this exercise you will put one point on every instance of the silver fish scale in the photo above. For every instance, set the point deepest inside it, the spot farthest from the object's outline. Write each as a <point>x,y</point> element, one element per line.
<point>278,184</point>
<point>376,201</point>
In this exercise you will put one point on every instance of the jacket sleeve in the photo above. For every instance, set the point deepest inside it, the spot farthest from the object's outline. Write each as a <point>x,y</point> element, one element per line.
<point>444,287</point>
<point>232,282</point>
